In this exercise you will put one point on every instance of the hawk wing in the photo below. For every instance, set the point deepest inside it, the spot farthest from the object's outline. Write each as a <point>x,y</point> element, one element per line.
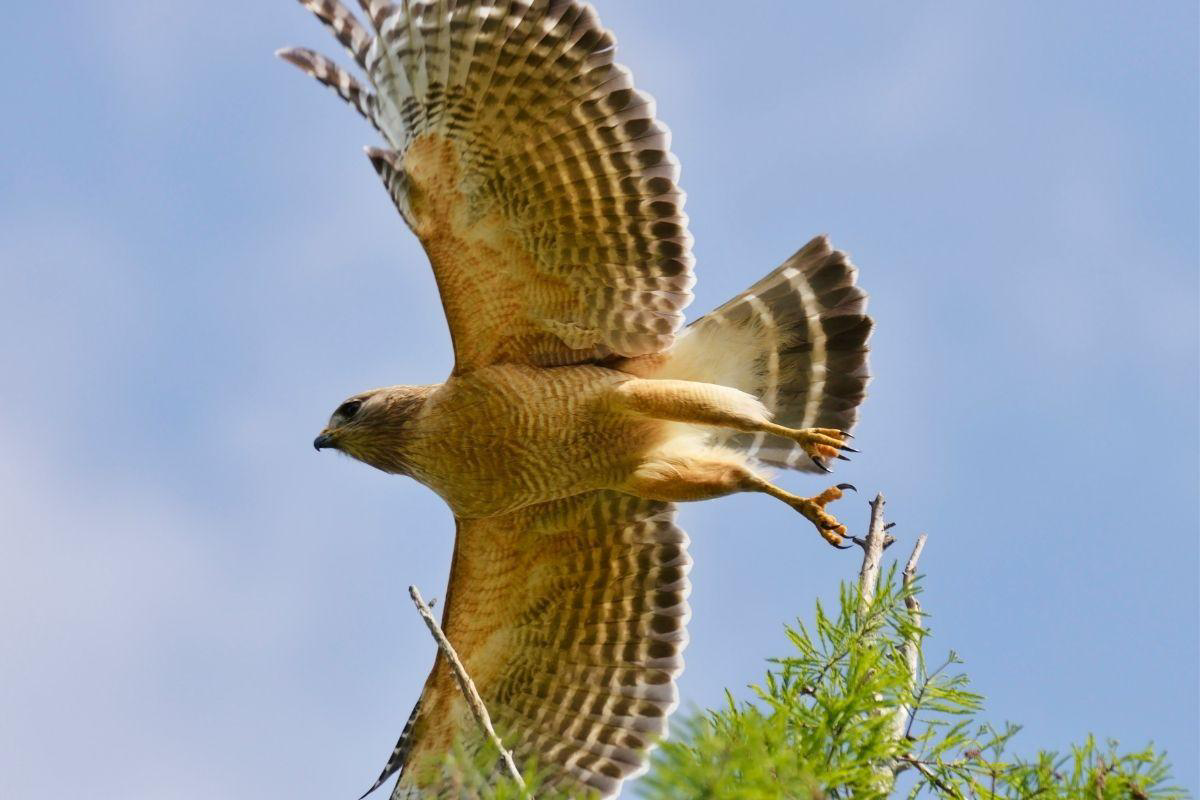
<point>570,617</point>
<point>536,177</point>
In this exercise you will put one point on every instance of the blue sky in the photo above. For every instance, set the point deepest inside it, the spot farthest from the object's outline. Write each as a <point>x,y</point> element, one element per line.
<point>198,263</point>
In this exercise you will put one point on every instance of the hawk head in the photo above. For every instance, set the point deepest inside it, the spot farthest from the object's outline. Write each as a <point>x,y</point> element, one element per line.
<point>371,426</point>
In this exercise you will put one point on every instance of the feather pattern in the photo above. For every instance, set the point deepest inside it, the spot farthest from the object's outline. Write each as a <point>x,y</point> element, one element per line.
<point>571,617</point>
<point>399,753</point>
<point>333,76</point>
<point>535,174</point>
<point>345,26</point>
<point>797,340</point>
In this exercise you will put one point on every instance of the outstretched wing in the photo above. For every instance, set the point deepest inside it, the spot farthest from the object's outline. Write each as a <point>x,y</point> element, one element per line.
<point>570,617</point>
<point>536,177</point>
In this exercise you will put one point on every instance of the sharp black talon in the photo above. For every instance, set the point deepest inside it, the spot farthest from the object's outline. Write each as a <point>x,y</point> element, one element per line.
<point>842,547</point>
<point>842,458</point>
<point>847,449</point>
<point>889,526</point>
<point>821,466</point>
<point>846,434</point>
<point>845,486</point>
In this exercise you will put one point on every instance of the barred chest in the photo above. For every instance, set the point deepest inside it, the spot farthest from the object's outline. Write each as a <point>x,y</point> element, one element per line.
<point>505,437</point>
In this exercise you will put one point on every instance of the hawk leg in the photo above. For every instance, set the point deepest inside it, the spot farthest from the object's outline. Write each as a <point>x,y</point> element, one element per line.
<point>813,509</point>
<point>723,407</point>
<point>714,473</point>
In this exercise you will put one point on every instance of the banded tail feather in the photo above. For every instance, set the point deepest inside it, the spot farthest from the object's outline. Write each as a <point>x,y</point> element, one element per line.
<point>797,340</point>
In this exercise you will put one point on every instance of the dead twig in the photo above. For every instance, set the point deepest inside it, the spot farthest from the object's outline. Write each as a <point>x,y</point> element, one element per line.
<point>873,546</point>
<point>474,701</point>
<point>912,642</point>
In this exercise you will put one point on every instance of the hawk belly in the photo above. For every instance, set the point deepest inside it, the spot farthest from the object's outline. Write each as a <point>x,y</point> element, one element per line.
<point>501,438</point>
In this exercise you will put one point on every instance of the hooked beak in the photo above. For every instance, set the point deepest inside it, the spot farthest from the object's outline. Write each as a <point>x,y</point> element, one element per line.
<point>324,441</point>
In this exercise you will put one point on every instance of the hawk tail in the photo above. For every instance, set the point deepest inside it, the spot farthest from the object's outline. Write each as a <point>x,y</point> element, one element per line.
<point>797,340</point>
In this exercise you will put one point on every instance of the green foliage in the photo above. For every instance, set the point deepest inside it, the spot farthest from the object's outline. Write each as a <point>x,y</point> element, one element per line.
<point>832,721</point>
<point>844,717</point>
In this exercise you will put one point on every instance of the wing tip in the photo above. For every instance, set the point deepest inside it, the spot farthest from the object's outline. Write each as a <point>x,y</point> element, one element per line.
<point>292,55</point>
<point>381,156</point>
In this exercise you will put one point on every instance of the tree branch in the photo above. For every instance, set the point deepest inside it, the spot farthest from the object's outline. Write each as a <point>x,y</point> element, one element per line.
<point>912,643</point>
<point>474,701</point>
<point>873,546</point>
<point>930,776</point>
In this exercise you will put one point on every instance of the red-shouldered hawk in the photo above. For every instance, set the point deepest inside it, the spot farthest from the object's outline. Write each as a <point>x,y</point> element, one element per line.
<point>544,192</point>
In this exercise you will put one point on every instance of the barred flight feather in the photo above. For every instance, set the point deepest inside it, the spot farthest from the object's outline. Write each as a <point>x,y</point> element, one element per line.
<point>345,27</point>
<point>532,170</point>
<point>399,753</point>
<point>333,76</point>
<point>387,163</point>
<point>572,628</point>
<point>797,340</point>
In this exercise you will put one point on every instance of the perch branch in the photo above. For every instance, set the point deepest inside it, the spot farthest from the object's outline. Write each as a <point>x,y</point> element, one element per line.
<point>877,539</point>
<point>873,546</point>
<point>474,701</point>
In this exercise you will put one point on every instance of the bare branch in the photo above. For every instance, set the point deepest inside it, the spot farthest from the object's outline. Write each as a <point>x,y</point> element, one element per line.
<point>873,547</point>
<point>876,541</point>
<point>474,701</point>
<point>912,643</point>
<point>910,569</point>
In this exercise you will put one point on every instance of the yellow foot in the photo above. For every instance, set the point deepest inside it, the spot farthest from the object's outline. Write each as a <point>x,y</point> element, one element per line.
<point>813,509</point>
<point>823,443</point>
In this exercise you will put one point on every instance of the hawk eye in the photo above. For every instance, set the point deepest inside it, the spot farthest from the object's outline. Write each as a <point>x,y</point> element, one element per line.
<point>348,409</point>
